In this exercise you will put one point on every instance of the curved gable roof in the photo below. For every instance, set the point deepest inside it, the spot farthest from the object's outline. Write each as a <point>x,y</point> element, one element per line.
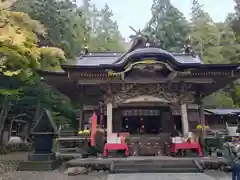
<point>112,58</point>
<point>175,58</point>
<point>138,48</point>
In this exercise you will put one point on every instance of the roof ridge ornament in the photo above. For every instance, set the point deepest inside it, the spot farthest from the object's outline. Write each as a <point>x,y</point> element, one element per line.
<point>84,52</point>
<point>187,48</point>
<point>139,40</point>
<point>142,39</point>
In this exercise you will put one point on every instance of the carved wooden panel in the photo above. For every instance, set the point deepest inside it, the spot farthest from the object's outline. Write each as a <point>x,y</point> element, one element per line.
<point>174,93</point>
<point>146,72</point>
<point>140,112</point>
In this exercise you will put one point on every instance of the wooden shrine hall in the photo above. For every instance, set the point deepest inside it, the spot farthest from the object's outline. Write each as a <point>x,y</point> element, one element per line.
<point>146,90</point>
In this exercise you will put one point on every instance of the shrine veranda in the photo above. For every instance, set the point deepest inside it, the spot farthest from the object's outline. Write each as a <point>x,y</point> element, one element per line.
<point>145,91</point>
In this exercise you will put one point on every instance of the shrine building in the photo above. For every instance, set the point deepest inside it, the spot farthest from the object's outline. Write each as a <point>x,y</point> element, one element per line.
<point>146,90</point>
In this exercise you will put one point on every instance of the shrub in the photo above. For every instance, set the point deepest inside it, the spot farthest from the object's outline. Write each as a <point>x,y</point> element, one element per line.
<point>21,147</point>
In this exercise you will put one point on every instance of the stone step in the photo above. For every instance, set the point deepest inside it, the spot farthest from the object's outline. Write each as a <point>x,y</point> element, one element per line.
<point>178,162</point>
<point>154,170</point>
<point>170,163</point>
<point>154,166</point>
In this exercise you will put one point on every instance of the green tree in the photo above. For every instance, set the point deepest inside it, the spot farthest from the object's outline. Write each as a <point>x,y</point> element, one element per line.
<point>215,41</point>
<point>218,44</point>
<point>228,43</point>
<point>204,34</point>
<point>219,99</point>
<point>167,25</point>
<point>63,21</point>
<point>19,55</point>
<point>237,6</point>
<point>105,34</point>
<point>18,48</point>
<point>71,28</point>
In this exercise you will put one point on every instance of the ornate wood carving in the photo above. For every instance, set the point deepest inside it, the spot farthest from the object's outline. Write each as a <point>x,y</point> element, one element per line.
<point>149,67</point>
<point>186,94</point>
<point>174,94</point>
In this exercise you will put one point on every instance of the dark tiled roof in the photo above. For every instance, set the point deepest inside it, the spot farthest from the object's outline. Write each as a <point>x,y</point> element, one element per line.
<point>223,111</point>
<point>188,59</point>
<point>95,59</point>
<point>179,57</point>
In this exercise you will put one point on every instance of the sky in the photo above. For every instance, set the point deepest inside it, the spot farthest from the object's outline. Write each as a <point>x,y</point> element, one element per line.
<point>136,13</point>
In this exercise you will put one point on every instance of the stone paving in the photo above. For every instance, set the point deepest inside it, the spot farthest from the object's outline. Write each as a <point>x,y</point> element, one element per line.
<point>164,176</point>
<point>219,175</point>
<point>57,175</point>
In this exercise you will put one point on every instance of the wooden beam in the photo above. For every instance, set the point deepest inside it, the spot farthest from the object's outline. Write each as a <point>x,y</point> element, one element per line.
<point>195,80</point>
<point>89,107</point>
<point>148,80</point>
<point>100,81</point>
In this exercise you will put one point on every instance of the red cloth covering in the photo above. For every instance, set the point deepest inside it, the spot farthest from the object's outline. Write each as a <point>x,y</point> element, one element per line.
<point>115,147</point>
<point>185,146</point>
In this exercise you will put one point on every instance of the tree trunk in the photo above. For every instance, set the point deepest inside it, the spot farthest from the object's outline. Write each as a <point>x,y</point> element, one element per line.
<point>3,115</point>
<point>38,115</point>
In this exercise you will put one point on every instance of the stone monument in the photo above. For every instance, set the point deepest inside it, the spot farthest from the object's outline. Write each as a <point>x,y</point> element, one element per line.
<point>42,159</point>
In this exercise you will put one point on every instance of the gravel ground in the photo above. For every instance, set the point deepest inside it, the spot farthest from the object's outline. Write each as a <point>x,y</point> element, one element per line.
<point>8,172</point>
<point>20,156</point>
<point>54,175</point>
<point>8,164</point>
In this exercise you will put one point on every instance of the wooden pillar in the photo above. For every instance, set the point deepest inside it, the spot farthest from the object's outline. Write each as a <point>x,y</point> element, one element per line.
<point>184,120</point>
<point>201,112</point>
<point>202,117</point>
<point>80,122</point>
<point>109,117</point>
<point>101,114</point>
<point>202,122</point>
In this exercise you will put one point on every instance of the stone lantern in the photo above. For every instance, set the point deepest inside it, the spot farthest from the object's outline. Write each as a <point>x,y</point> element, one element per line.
<point>43,133</point>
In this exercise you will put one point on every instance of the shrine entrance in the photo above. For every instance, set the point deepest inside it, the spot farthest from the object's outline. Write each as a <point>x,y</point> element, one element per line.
<point>145,114</point>
<point>143,120</point>
<point>145,109</point>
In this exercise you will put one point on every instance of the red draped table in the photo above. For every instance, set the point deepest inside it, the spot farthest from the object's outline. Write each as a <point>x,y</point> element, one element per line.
<point>115,147</point>
<point>185,146</point>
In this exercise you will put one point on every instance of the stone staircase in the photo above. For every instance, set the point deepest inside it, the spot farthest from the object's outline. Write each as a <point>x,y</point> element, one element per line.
<point>156,166</point>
